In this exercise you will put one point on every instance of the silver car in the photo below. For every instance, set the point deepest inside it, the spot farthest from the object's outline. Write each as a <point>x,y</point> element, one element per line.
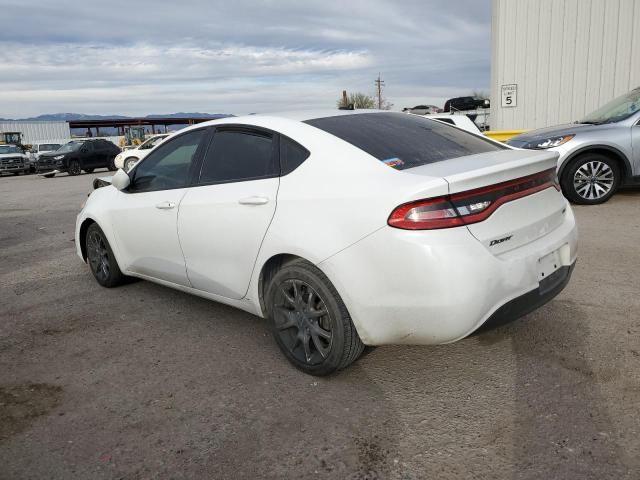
<point>598,154</point>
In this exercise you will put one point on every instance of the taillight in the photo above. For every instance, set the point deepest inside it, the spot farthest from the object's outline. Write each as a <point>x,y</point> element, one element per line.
<point>468,207</point>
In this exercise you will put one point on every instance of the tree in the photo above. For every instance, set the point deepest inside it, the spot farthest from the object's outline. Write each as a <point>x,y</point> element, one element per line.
<point>358,100</point>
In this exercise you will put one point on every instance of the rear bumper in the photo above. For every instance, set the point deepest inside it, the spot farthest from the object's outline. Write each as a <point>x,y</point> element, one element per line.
<point>438,286</point>
<point>549,288</point>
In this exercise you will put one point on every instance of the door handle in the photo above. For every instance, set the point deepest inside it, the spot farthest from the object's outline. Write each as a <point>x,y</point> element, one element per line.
<point>166,205</point>
<point>254,201</point>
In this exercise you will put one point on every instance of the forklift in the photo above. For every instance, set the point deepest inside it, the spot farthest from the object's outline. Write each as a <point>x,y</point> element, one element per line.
<point>133,136</point>
<point>13,138</point>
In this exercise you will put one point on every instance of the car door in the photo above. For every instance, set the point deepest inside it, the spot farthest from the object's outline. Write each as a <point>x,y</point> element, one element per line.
<point>100,153</point>
<point>223,220</point>
<point>144,215</point>
<point>86,154</point>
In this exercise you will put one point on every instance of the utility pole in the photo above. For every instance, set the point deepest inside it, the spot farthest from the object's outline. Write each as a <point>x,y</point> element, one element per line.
<point>379,84</point>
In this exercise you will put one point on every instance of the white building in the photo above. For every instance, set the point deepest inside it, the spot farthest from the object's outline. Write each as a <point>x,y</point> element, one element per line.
<point>553,61</point>
<point>38,132</point>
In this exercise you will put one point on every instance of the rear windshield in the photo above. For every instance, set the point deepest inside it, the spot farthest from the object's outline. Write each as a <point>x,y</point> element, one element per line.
<point>404,141</point>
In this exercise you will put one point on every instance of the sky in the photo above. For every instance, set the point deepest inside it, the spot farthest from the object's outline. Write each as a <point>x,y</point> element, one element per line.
<point>141,57</point>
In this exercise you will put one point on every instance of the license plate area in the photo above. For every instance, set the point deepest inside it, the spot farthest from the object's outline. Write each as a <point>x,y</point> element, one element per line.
<point>549,264</point>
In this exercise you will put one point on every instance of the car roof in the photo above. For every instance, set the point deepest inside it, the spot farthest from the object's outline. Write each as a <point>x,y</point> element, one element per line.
<point>295,115</point>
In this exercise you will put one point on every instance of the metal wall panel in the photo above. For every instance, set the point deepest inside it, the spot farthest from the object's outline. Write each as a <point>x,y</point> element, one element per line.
<point>568,57</point>
<point>38,132</point>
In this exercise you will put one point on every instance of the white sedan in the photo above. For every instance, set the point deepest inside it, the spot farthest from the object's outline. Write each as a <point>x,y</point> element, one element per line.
<point>343,229</point>
<point>128,158</point>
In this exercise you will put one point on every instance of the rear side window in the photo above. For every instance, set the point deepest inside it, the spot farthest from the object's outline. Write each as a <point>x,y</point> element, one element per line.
<point>292,155</point>
<point>236,155</point>
<point>404,141</point>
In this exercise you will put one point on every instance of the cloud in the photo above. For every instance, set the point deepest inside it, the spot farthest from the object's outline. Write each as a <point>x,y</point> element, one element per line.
<point>236,56</point>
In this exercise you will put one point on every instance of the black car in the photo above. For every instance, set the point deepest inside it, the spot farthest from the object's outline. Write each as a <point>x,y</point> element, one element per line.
<point>79,155</point>
<point>465,103</point>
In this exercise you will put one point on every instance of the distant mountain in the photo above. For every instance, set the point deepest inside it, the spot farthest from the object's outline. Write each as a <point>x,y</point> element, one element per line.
<point>191,115</point>
<point>65,117</point>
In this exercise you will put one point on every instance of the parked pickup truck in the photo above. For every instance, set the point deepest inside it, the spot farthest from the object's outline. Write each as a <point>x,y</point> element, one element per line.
<point>13,160</point>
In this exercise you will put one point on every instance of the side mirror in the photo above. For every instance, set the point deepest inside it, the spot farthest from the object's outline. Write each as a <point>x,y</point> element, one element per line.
<point>121,180</point>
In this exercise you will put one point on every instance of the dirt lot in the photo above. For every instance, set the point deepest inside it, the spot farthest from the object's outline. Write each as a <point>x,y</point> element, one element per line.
<point>145,382</point>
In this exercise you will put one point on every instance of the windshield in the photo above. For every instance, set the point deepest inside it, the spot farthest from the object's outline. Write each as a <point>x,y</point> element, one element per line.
<point>616,110</point>
<point>152,142</point>
<point>49,147</point>
<point>70,147</point>
<point>9,149</point>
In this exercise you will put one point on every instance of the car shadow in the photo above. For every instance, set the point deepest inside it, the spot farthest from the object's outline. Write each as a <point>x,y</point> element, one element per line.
<point>560,426</point>
<point>522,401</point>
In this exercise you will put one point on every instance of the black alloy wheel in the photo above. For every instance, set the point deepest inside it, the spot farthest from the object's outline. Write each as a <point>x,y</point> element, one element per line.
<point>100,258</point>
<point>74,168</point>
<point>302,322</point>
<point>310,323</point>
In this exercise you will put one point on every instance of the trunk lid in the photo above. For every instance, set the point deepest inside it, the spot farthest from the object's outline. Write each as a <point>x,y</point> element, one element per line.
<point>514,223</point>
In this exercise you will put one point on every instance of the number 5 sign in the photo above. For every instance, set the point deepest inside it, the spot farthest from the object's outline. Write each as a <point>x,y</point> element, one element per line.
<point>510,95</point>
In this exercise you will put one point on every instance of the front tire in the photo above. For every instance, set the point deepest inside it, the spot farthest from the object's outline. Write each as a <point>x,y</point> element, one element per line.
<point>100,258</point>
<point>74,168</point>
<point>310,323</point>
<point>112,166</point>
<point>590,179</point>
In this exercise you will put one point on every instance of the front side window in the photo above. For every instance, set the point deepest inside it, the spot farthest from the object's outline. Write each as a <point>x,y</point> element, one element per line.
<point>170,166</point>
<point>237,155</point>
<point>404,141</point>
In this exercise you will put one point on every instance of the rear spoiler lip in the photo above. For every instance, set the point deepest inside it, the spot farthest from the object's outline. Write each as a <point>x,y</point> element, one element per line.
<point>476,171</point>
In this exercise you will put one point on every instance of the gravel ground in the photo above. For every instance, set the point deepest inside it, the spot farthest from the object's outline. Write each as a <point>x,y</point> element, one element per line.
<point>146,382</point>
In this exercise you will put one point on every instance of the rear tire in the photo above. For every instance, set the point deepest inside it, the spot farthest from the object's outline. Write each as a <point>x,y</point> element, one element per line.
<point>309,320</point>
<point>74,168</point>
<point>100,258</point>
<point>590,179</point>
